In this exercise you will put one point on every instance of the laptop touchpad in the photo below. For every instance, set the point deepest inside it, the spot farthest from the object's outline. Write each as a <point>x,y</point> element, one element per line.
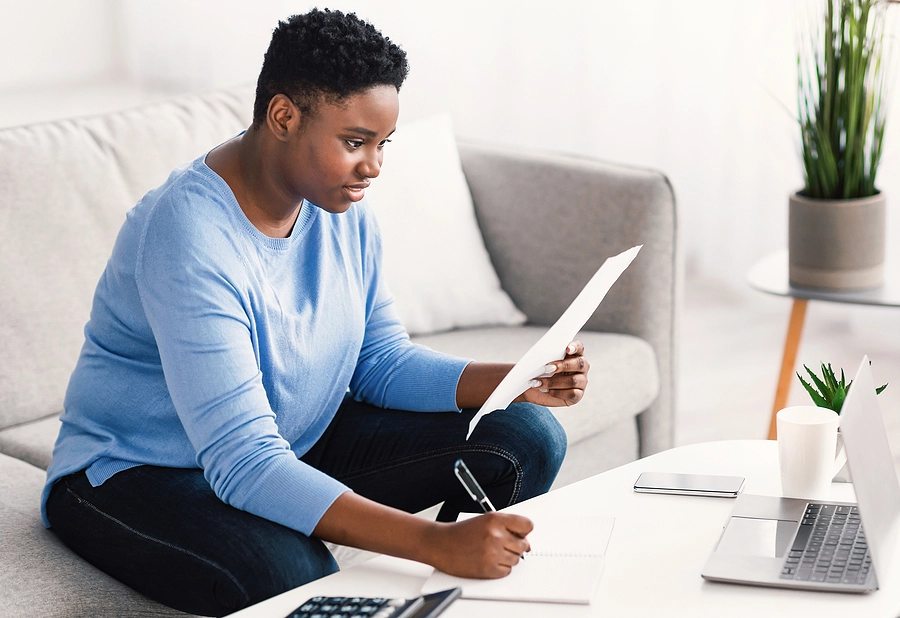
<point>768,538</point>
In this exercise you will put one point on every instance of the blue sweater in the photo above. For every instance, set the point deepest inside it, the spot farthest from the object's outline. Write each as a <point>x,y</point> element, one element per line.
<point>212,345</point>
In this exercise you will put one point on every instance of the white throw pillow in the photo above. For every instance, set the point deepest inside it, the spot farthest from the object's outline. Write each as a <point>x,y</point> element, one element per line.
<point>435,260</point>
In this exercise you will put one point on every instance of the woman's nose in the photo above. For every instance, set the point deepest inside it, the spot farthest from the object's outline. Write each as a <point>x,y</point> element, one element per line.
<point>370,166</point>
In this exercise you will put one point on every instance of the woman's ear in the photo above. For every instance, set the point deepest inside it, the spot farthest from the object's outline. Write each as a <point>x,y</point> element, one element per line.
<point>282,116</point>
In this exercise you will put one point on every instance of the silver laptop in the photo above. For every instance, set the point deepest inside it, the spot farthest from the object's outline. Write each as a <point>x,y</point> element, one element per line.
<point>791,543</point>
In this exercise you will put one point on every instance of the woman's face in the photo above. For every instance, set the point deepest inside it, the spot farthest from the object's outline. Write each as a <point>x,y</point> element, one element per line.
<point>338,149</point>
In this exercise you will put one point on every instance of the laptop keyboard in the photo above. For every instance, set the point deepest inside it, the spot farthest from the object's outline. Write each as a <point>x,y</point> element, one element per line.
<point>829,547</point>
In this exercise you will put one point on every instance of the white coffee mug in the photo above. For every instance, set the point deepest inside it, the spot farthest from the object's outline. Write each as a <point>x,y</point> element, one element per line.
<point>807,436</point>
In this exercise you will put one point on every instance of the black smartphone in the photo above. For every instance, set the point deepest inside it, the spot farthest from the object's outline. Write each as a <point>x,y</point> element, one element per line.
<point>427,606</point>
<point>689,484</point>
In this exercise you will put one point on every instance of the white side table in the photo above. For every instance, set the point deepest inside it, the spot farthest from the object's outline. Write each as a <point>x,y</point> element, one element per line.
<point>770,275</point>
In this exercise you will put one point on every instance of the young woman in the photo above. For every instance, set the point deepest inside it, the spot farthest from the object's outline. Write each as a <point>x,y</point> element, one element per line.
<point>246,390</point>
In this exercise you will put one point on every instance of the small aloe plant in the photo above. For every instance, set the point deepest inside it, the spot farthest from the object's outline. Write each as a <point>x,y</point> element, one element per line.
<point>829,392</point>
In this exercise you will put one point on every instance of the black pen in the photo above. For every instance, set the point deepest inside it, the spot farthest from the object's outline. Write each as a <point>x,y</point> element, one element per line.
<point>473,488</point>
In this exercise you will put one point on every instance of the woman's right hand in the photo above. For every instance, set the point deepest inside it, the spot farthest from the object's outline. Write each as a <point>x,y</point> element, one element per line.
<point>485,547</point>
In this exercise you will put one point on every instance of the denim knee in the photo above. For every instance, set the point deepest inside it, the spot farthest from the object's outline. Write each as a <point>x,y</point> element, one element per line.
<point>532,433</point>
<point>550,442</point>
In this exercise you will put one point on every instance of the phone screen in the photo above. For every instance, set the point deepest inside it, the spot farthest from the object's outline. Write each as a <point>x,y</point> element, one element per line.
<point>689,484</point>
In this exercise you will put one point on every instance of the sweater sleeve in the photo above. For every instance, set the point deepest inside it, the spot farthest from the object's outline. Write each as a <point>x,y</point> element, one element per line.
<point>393,372</point>
<point>189,281</point>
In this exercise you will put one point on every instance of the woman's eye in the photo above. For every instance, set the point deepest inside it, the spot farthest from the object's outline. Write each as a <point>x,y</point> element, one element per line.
<point>354,143</point>
<point>383,142</point>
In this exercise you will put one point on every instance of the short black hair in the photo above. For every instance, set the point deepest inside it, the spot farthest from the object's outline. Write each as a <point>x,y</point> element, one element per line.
<point>328,54</point>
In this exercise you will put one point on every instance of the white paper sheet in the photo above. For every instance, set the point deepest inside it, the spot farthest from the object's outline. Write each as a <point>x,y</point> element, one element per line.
<point>552,346</point>
<point>564,566</point>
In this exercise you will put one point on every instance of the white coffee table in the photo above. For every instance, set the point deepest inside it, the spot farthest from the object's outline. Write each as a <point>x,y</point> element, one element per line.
<point>655,556</point>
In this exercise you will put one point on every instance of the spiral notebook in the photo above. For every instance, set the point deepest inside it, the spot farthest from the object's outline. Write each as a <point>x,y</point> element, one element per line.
<point>564,565</point>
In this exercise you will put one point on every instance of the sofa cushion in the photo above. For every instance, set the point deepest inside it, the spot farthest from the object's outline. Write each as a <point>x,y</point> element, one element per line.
<point>623,379</point>
<point>32,442</point>
<point>64,190</point>
<point>615,446</point>
<point>39,576</point>
<point>435,261</point>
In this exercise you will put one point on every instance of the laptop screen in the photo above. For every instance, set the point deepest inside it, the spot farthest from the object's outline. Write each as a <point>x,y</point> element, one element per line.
<point>872,469</point>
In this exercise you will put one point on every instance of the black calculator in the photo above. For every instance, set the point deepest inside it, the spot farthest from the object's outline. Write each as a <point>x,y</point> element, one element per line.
<point>426,606</point>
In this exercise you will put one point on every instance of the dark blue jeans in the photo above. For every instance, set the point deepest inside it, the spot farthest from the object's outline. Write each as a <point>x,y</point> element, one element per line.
<point>164,532</point>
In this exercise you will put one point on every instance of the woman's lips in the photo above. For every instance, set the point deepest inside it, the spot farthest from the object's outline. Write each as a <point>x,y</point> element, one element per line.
<point>356,192</point>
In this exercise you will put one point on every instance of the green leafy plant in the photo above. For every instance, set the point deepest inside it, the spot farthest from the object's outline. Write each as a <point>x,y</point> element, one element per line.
<point>842,103</point>
<point>829,392</point>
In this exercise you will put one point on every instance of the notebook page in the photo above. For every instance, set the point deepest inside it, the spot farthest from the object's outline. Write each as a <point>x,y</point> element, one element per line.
<point>540,579</point>
<point>564,566</point>
<point>571,535</point>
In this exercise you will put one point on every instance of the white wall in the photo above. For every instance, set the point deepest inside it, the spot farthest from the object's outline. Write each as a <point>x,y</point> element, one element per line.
<point>44,42</point>
<point>700,89</point>
<point>185,45</point>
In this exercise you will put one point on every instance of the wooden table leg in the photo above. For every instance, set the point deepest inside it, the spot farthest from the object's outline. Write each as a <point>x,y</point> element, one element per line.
<point>791,344</point>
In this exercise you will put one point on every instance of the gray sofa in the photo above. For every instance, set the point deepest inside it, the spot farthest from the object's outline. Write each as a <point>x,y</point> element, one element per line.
<point>65,187</point>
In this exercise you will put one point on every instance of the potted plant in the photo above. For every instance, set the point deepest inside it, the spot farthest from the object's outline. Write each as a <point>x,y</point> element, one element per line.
<point>836,225</point>
<point>829,392</point>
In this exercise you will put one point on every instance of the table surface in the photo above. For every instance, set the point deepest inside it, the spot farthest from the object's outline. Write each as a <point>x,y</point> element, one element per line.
<point>770,275</point>
<point>658,548</point>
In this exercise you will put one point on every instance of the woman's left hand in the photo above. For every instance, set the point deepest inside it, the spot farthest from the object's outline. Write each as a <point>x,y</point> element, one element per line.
<point>564,381</point>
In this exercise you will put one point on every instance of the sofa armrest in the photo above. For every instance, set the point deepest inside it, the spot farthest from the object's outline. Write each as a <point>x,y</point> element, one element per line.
<point>550,220</point>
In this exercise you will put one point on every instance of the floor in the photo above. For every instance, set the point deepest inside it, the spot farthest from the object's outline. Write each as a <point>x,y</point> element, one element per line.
<point>731,344</point>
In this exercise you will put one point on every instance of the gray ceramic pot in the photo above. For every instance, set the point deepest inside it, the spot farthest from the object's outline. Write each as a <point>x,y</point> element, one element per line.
<point>836,244</point>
